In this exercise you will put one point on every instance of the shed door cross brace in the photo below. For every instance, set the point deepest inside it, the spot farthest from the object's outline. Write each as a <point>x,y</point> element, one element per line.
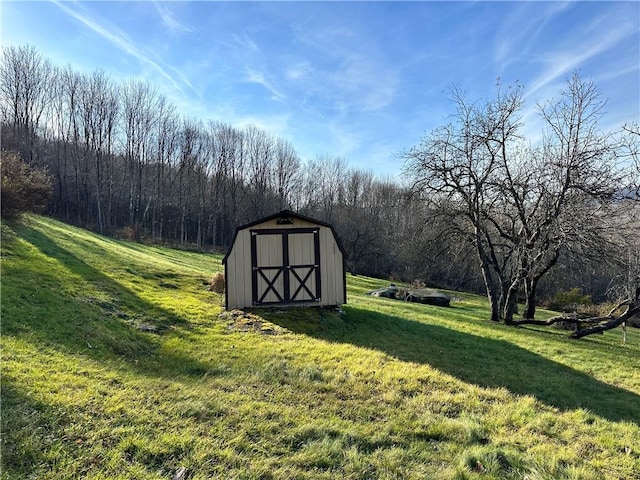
<point>302,273</point>
<point>303,283</point>
<point>270,284</point>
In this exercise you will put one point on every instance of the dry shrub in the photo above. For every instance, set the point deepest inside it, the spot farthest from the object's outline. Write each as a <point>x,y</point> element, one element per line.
<point>597,310</point>
<point>418,284</point>
<point>217,283</point>
<point>24,188</point>
<point>126,233</point>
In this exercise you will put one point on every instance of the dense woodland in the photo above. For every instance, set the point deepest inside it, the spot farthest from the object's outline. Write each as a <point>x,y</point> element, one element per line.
<point>478,208</point>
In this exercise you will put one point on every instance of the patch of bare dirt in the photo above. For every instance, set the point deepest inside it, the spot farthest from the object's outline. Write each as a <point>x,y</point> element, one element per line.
<point>242,321</point>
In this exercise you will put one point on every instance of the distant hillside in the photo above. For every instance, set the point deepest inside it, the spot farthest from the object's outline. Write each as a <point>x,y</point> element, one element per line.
<point>116,363</point>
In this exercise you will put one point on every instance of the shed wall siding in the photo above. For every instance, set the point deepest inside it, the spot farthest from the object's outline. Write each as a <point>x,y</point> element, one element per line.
<point>238,263</point>
<point>239,269</point>
<point>331,268</point>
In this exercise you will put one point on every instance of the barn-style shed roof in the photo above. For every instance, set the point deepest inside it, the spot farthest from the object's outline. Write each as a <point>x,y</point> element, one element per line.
<point>284,215</point>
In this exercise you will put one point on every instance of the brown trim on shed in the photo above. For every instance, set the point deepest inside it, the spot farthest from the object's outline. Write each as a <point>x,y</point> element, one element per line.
<point>287,270</point>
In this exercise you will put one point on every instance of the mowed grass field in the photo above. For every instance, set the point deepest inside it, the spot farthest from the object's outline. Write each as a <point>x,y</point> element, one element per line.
<point>116,364</point>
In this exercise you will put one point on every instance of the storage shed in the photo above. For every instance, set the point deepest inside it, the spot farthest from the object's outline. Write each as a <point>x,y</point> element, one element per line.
<point>285,259</point>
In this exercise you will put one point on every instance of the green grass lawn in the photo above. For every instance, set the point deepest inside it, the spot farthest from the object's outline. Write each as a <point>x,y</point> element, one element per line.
<point>115,364</point>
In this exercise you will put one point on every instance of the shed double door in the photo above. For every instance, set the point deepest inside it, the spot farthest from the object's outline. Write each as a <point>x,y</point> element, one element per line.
<point>285,266</point>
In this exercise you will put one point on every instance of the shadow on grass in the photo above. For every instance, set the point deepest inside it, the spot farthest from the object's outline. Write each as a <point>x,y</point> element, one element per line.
<point>23,448</point>
<point>36,435</point>
<point>38,438</point>
<point>473,359</point>
<point>106,326</point>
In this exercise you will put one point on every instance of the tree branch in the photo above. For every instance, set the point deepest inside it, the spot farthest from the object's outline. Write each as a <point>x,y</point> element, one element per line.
<point>610,320</point>
<point>572,318</point>
<point>613,323</point>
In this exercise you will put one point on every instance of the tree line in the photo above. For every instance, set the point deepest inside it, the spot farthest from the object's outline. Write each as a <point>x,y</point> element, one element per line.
<point>122,159</point>
<point>478,208</point>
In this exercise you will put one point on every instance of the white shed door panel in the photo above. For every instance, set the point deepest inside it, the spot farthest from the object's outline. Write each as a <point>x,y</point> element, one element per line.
<point>302,267</point>
<point>270,275</point>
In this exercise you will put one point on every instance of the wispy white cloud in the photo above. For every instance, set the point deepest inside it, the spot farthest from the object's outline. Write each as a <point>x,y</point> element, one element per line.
<point>529,42</point>
<point>586,47</point>
<point>241,45</point>
<point>560,64</point>
<point>254,76</point>
<point>298,71</point>
<point>615,73</point>
<point>350,72</point>
<point>169,19</point>
<point>121,40</point>
<point>243,54</point>
<point>181,76</point>
<point>521,30</point>
<point>230,112</point>
<point>549,85</point>
<point>345,140</point>
<point>276,124</point>
<point>364,84</point>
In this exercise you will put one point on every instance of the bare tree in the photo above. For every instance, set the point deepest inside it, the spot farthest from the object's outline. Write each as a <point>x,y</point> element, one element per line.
<point>165,165</point>
<point>67,162</point>
<point>463,164</point>
<point>260,150</point>
<point>286,173</point>
<point>202,171</point>
<point>25,77</point>
<point>226,149</point>
<point>236,173</point>
<point>62,113</point>
<point>575,176</point>
<point>98,114</point>
<point>630,151</point>
<point>140,105</point>
<point>191,153</point>
<point>522,206</point>
<point>324,186</point>
<point>358,220</point>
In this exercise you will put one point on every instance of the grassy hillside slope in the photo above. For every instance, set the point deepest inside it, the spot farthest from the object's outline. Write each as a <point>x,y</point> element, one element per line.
<point>115,364</point>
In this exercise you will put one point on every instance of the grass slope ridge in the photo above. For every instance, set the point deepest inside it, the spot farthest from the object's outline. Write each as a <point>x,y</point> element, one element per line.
<point>115,364</point>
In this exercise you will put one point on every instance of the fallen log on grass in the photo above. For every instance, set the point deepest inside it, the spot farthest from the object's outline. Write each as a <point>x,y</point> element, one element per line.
<point>428,297</point>
<point>419,295</point>
<point>600,324</point>
<point>630,311</point>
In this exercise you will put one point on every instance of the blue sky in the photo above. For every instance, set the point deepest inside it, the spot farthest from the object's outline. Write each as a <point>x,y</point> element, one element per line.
<point>361,80</point>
